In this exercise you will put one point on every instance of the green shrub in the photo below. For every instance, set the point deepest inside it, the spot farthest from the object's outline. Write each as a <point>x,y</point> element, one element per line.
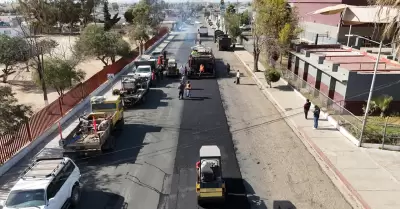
<point>272,76</point>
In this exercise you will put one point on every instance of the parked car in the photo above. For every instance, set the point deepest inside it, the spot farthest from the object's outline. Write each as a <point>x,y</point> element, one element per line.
<point>47,184</point>
<point>245,27</point>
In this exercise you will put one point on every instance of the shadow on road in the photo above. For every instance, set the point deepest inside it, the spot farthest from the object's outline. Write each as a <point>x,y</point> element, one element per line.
<point>128,145</point>
<point>101,199</point>
<point>154,100</point>
<point>254,200</point>
<point>283,204</point>
<point>284,88</point>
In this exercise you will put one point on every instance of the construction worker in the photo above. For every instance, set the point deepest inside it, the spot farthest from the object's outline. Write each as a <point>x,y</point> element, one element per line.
<point>188,88</point>
<point>201,69</point>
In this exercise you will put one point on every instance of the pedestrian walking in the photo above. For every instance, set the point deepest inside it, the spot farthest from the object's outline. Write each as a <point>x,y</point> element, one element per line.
<point>317,111</point>
<point>181,90</point>
<point>307,107</point>
<point>188,88</point>
<point>237,77</point>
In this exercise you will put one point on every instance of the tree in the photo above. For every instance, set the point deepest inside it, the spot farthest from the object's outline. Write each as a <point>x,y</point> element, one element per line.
<point>141,13</point>
<point>273,17</point>
<point>382,103</point>
<point>232,22</point>
<point>13,50</point>
<point>108,21</point>
<point>104,45</point>
<point>139,35</point>
<point>272,76</point>
<point>231,9</point>
<point>245,18</point>
<point>12,114</point>
<point>60,74</point>
<point>69,12</point>
<point>40,15</point>
<point>115,6</point>
<point>207,13</point>
<point>88,7</point>
<point>128,15</point>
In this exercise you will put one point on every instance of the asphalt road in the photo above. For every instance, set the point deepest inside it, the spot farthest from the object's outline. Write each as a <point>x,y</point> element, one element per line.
<point>203,122</point>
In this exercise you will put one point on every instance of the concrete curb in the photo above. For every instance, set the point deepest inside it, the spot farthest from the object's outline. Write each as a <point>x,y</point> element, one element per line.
<point>29,147</point>
<point>351,195</point>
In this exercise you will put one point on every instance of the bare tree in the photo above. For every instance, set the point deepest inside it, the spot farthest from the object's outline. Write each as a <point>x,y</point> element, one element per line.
<point>37,16</point>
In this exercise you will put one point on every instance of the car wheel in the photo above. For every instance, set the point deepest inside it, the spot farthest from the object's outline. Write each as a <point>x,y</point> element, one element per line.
<point>75,196</point>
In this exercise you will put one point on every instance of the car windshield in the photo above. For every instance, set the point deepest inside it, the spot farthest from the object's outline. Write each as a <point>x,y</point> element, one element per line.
<point>143,70</point>
<point>26,198</point>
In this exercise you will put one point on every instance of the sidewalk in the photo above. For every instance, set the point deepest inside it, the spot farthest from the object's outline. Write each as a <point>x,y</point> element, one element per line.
<point>368,178</point>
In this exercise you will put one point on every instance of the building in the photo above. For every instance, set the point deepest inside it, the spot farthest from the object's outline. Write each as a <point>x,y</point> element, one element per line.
<point>10,26</point>
<point>344,74</point>
<point>329,27</point>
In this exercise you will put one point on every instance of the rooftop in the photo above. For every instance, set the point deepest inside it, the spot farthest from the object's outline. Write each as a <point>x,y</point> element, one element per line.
<point>210,151</point>
<point>339,61</point>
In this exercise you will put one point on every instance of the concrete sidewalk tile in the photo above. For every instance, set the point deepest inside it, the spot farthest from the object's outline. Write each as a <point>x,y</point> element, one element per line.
<point>382,199</point>
<point>371,176</point>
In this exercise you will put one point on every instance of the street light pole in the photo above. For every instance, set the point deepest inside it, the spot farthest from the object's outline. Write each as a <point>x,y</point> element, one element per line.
<point>371,90</point>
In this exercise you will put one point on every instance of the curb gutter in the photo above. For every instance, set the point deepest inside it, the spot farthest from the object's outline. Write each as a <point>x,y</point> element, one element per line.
<point>351,195</point>
<point>100,90</point>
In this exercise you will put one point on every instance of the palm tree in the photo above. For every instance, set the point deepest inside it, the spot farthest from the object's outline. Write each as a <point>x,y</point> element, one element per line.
<point>392,29</point>
<point>382,103</point>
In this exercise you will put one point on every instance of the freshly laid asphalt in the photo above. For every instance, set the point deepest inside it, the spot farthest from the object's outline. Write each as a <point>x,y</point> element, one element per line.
<point>203,122</point>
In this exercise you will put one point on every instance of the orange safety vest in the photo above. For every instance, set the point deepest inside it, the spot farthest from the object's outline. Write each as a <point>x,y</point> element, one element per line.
<point>201,68</point>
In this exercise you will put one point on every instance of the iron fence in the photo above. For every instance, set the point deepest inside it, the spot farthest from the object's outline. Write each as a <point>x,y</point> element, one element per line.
<point>377,131</point>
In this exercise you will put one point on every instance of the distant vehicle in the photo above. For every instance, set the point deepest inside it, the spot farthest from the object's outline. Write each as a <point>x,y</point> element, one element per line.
<point>245,27</point>
<point>224,43</point>
<point>210,186</point>
<point>47,184</point>
<point>133,89</point>
<point>197,22</point>
<point>203,31</point>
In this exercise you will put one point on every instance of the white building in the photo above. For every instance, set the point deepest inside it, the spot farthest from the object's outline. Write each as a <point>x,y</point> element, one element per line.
<point>9,25</point>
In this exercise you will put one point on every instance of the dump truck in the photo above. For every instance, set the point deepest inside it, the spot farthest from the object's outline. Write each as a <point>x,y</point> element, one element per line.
<point>224,43</point>
<point>93,132</point>
<point>133,89</point>
<point>203,31</point>
<point>217,33</point>
<point>201,56</point>
<point>210,185</point>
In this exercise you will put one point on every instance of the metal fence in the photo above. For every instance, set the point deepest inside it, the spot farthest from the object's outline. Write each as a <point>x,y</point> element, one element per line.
<point>321,38</point>
<point>377,131</point>
<point>14,140</point>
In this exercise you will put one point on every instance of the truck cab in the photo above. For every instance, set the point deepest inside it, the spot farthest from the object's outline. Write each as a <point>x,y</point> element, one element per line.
<point>101,105</point>
<point>210,186</point>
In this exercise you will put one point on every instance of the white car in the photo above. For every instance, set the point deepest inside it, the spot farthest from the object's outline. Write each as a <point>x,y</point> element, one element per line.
<point>46,184</point>
<point>143,71</point>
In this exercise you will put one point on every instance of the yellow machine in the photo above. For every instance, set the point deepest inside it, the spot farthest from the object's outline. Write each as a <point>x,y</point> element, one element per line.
<point>111,106</point>
<point>210,185</point>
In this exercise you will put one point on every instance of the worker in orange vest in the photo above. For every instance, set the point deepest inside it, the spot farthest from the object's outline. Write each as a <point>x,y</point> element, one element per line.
<point>201,69</point>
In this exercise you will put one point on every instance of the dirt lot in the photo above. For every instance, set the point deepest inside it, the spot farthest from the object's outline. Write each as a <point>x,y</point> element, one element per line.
<point>28,93</point>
